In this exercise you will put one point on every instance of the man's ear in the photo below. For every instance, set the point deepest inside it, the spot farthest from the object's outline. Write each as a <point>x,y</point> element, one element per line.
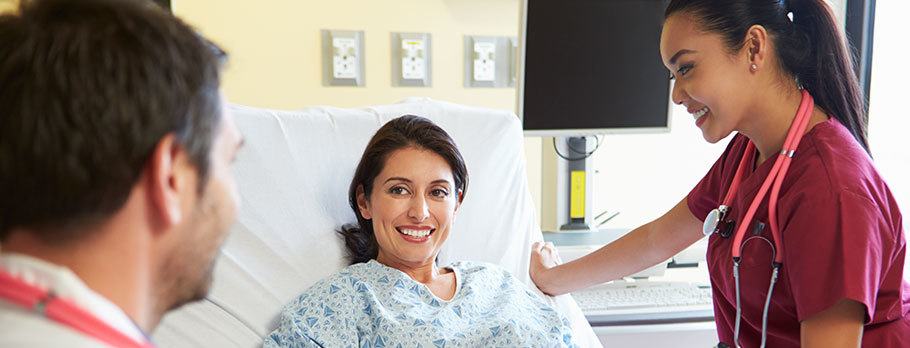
<point>363,204</point>
<point>169,175</point>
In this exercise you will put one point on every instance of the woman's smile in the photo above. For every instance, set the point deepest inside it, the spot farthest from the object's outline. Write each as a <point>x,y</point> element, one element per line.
<point>415,234</point>
<point>700,116</point>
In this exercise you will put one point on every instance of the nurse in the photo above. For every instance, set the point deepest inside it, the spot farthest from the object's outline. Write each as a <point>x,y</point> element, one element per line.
<point>794,206</point>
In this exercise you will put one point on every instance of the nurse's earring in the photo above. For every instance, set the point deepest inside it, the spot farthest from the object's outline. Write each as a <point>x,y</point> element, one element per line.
<point>753,67</point>
<point>752,52</point>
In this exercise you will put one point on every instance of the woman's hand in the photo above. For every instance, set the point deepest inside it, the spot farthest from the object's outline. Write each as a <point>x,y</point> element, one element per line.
<point>543,259</point>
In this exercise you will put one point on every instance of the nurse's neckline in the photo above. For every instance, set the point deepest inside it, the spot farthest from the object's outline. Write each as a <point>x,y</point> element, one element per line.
<point>818,117</point>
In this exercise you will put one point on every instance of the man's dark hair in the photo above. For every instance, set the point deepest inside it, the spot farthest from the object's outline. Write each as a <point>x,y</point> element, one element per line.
<point>165,4</point>
<point>88,88</point>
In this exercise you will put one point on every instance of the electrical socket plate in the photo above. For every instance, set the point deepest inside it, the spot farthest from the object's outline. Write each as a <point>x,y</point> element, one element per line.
<point>488,61</point>
<point>484,61</point>
<point>411,59</point>
<point>343,58</point>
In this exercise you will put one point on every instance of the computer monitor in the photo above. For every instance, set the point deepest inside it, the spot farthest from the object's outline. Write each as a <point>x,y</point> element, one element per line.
<point>593,67</point>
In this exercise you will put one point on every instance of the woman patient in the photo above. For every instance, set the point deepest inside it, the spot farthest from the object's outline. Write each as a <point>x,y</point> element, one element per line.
<point>406,191</point>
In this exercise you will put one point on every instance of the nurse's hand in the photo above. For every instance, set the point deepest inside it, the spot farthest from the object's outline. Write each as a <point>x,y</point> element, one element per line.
<point>543,259</point>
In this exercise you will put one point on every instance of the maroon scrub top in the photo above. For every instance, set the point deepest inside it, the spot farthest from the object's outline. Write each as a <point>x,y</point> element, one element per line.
<point>842,239</point>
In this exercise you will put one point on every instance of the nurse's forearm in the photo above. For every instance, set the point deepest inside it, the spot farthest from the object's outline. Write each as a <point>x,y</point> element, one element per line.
<point>627,255</point>
<point>639,249</point>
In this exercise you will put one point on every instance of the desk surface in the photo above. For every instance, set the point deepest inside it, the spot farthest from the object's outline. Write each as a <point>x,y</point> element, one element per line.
<point>594,240</point>
<point>600,237</point>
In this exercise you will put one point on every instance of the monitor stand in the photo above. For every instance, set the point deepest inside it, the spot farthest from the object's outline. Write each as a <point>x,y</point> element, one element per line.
<point>579,189</point>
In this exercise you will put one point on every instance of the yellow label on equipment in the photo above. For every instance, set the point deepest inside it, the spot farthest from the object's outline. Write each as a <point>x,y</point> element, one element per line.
<point>577,195</point>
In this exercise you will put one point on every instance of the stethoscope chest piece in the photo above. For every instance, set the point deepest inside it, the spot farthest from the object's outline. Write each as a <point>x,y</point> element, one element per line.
<point>715,223</point>
<point>711,222</point>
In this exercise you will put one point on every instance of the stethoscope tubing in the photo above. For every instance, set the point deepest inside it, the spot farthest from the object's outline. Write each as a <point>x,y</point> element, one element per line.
<point>773,182</point>
<point>776,176</point>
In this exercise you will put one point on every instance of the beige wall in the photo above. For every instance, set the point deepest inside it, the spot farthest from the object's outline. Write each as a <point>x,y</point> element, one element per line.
<point>8,5</point>
<point>275,49</point>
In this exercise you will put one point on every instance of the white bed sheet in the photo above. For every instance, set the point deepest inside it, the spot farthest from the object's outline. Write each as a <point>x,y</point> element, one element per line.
<point>293,176</point>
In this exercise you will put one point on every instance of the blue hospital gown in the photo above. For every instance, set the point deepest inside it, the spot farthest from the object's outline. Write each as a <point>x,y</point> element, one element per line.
<point>373,305</point>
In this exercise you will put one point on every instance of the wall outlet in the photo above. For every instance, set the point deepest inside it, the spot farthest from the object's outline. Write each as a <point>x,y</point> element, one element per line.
<point>484,61</point>
<point>488,61</point>
<point>411,59</point>
<point>343,58</point>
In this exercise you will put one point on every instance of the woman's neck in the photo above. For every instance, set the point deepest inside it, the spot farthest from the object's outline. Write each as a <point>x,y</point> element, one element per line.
<point>423,272</point>
<point>440,281</point>
<point>770,121</point>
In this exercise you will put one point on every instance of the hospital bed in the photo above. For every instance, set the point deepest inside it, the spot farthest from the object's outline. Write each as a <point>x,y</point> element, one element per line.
<point>293,176</point>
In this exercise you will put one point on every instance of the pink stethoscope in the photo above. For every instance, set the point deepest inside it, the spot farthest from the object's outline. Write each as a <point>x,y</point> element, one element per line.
<point>63,311</point>
<point>716,221</point>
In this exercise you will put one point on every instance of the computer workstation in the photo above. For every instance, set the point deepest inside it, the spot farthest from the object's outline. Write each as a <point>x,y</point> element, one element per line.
<point>668,304</point>
<point>586,72</point>
<point>675,291</point>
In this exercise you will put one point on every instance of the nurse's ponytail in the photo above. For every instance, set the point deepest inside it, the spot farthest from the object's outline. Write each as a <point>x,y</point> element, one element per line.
<point>810,48</point>
<point>828,72</point>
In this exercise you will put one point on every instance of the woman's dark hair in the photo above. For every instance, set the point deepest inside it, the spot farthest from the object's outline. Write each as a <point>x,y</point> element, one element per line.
<point>402,132</point>
<point>810,48</point>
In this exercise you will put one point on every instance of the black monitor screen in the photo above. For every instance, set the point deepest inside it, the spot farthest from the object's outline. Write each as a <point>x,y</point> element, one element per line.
<point>594,66</point>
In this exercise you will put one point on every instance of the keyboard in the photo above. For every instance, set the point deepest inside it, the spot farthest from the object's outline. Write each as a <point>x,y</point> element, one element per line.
<point>645,302</point>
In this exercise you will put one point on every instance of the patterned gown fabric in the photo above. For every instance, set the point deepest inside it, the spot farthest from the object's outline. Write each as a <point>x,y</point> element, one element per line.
<point>372,305</point>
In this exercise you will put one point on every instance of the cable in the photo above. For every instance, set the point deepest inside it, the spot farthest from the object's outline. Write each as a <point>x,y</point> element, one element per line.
<point>584,151</point>
<point>586,154</point>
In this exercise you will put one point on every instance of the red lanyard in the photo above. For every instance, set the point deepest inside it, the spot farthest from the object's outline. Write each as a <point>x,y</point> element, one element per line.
<point>776,176</point>
<point>63,311</point>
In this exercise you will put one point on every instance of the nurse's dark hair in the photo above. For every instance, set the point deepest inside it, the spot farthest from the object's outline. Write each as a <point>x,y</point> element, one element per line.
<point>811,48</point>
<point>87,90</point>
<point>407,131</point>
